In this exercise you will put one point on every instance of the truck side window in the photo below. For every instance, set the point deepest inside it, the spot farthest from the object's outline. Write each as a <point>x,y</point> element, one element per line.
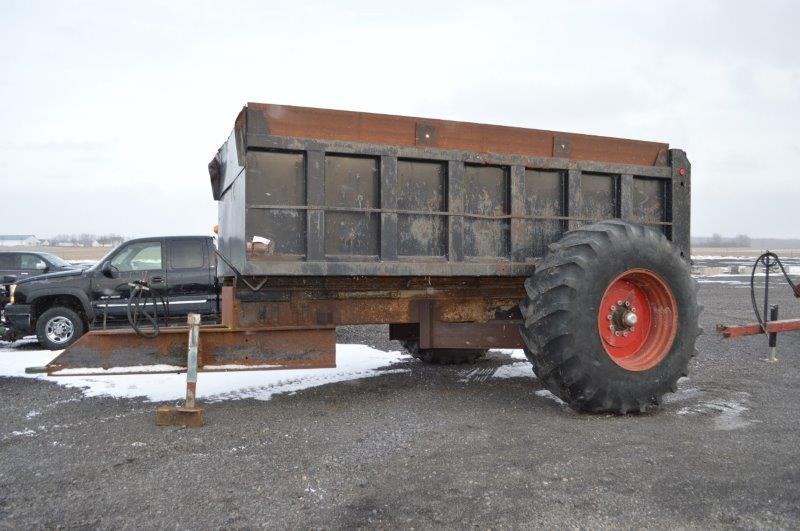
<point>142,256</point>
<point>30,261</point>
<point>186,254</point>
<point>9,261</point>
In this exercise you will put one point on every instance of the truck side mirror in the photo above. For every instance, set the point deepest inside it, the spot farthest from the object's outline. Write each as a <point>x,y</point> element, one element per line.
<point>41,266</point>
<point>107,270</point>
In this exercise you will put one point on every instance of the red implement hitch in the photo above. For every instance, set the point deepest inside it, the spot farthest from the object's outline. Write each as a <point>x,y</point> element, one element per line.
<point>768,322</point>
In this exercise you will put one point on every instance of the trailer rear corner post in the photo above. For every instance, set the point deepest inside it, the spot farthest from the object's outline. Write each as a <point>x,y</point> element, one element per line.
<point>190,415</point>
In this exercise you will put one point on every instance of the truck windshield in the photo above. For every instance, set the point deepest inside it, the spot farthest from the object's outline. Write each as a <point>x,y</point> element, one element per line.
<point>55,260</point>
<point>100,262</point>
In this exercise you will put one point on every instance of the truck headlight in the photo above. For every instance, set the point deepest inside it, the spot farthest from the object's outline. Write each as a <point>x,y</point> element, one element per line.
<point>11,291</point>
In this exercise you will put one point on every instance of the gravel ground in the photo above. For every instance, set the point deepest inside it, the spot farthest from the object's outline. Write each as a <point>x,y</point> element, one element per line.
<point>427,447</point>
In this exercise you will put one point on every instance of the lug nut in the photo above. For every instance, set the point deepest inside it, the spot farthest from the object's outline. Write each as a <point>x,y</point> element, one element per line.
<point>609,317</point>
<point>624,334</point>
<point>628,304</point>
<point>613,307</point>
<point>617,334</point>
<point>619,303</point>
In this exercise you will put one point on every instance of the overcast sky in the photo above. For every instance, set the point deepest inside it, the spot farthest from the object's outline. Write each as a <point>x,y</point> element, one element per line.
<point>110,111</point>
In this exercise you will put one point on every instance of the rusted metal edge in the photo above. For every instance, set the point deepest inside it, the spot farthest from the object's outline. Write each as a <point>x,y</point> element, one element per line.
<point>52,371</point>
<point>395,130</point>
<point>372,266</point>
<point>261,141</point>
<point>752,329</point>
<point>210,329</point>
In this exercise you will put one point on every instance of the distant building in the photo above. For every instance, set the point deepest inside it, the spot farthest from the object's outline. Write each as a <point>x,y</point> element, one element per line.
<point>18,239</point>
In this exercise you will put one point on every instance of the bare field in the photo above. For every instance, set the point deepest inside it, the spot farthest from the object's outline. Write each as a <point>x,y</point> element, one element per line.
<point>67,253</point>
<point>741,251</point>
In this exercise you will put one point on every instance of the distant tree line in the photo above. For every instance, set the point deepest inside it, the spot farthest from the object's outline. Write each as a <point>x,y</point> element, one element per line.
<point>742,240</point>
<point>87,240</point>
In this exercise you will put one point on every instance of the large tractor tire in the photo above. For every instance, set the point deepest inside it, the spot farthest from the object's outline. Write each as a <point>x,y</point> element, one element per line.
<point>442,356</point>
<point>611,318</point>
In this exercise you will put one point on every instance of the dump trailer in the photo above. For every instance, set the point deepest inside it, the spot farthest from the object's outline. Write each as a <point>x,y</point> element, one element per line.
<point>461,237</point>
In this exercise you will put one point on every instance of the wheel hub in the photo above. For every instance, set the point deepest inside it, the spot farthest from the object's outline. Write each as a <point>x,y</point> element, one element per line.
<point>637,319</point>
<point>59,329</point>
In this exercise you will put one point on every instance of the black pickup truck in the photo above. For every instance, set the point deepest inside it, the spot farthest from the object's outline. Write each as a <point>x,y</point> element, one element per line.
<point>16,265</point>
<point>59,307</point>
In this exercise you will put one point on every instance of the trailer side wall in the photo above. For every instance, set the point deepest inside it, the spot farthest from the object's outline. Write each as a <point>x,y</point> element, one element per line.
<point>331,207</point>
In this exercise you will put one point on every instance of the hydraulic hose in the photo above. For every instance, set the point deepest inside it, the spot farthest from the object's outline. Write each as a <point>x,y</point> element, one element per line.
<point>140,297</point>
<point>769,260</point>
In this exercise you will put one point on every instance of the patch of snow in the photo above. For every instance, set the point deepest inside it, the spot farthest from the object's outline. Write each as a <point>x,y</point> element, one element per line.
<point>27,432</point>
<point>544,393</point>
<point>727,412</point>
<point>32,414</point>
<point>719,257</point>
<point>353,362</point>
<point>712,281</point>
<point>519,369</point>
<point>513,353</point>
<point>682,395</point>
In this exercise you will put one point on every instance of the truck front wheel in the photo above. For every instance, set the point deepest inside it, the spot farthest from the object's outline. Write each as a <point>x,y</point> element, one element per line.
<point>58,328</point>
<point>611,317</point>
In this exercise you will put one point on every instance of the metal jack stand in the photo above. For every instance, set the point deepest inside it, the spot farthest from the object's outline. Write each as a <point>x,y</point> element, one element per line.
<point>190,414</point>
<point>773,336</point>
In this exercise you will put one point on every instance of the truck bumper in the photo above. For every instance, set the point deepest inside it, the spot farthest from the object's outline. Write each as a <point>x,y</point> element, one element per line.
<point>17,319</point>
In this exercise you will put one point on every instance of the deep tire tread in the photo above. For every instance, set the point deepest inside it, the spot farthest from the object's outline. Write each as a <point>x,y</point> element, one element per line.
<point>555,314</point>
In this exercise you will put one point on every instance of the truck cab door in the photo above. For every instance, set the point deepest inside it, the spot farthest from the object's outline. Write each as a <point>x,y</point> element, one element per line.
<point>31,265</point>
<point>190,276</point>
<point>9,265</point>
<point>139,260</point>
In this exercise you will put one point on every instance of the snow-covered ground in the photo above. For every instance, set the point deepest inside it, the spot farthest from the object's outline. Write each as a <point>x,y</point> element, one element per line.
<point>735,270</point>
<point>352,362</point>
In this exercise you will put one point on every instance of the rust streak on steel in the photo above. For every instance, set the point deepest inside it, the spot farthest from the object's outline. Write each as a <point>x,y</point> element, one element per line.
<point>305,122</point>
<point>733,331</point>
<point>220,348</point>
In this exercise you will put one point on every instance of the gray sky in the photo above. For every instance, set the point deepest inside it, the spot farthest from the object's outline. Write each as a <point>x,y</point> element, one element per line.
<point>110,111</point>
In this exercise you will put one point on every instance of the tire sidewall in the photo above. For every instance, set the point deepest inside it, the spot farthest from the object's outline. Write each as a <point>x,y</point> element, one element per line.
<point>650,254</point>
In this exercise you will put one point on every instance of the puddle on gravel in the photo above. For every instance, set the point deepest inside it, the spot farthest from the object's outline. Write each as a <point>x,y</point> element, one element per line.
<point>726,412</point>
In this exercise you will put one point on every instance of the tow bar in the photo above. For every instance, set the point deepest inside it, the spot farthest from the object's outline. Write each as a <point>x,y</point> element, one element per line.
<point>769,324</point>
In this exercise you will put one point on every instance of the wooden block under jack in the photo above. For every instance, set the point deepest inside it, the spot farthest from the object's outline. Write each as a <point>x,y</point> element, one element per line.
<point>190,417</point>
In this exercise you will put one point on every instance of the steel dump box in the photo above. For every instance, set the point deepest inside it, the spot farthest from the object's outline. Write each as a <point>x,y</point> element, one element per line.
<point>314,192</point>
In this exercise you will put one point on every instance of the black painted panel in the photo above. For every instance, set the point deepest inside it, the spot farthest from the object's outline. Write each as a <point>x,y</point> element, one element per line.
<point>486,192</point>
<point>421,186</point>
<point>352,182</point>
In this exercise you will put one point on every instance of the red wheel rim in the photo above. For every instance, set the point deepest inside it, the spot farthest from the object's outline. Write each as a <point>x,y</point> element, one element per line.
<point>637,319</point>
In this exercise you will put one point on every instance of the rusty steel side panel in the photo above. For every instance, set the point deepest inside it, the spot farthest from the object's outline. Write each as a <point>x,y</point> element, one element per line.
<point>331,206</point>
<point>306,122</point>
<point>325,301</point>
<point>503,334</point>
<point>220,348</point>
